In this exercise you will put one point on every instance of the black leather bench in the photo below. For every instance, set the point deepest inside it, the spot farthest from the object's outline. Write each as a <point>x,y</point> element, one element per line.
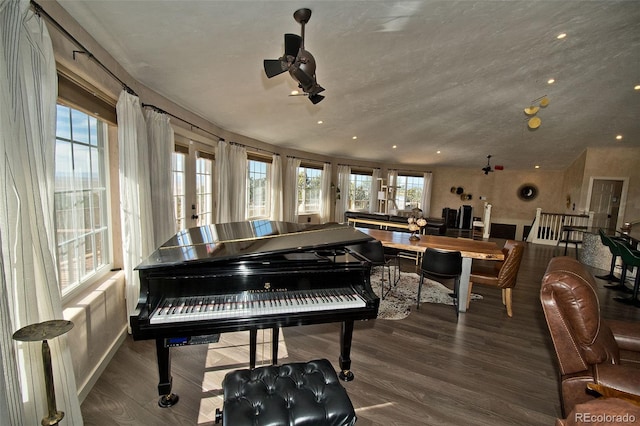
<point>290,394</point>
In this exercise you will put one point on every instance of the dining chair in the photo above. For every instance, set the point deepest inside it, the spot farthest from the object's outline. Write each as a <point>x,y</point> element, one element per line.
<point>502,275</point>
<point>441,265</point>
<point>376,254</point>
<point>630,258</point>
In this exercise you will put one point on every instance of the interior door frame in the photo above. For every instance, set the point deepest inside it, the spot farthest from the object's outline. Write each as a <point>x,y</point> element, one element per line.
<point>623,195</point>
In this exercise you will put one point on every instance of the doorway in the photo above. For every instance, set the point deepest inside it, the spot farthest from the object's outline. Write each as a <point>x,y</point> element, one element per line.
<point>607,202</point>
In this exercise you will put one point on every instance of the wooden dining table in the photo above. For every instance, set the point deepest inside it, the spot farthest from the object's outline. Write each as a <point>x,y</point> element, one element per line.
<point>468,248</point>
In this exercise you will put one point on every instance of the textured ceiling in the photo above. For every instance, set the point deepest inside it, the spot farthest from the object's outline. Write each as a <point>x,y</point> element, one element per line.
<point>452,76</point>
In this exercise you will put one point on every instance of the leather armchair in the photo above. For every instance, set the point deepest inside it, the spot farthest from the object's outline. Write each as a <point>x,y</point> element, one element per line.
<point>587,347</point>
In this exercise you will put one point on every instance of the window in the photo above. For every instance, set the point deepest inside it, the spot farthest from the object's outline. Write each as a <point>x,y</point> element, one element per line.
<point>309,183</point>
<point>204,189</point>
<point>258,189</point>
<point>179,196</point>
<point>359,191</point>
<point>409,191</point>
<point>80,198</point>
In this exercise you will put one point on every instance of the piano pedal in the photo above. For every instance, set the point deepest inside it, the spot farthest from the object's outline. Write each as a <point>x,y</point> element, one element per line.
<point>167,401</point>
<point>218,417</point>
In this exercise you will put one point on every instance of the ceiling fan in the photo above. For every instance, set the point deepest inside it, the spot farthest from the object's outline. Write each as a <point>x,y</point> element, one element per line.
<point>487,168</point>
<point>299,62</point>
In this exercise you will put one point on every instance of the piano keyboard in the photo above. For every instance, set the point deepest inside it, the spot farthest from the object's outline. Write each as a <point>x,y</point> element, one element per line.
<point>249,304</point>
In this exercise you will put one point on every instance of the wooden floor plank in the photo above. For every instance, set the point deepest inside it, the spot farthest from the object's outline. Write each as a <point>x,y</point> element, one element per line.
<point>431,368</point>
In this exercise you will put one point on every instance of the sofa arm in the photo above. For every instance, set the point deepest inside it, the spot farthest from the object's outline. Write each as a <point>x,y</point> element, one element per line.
<point>626,333</point>
<point>621,378</point>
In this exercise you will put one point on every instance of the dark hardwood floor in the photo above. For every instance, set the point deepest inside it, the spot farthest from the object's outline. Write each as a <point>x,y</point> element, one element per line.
<point>432,368</point>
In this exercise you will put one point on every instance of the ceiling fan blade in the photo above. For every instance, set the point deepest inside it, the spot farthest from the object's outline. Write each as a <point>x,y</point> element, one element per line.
<point>273,67</point>
<point>292,43</point>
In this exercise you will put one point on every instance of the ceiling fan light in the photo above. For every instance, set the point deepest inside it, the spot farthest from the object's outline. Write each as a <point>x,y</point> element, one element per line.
<point>531,110</point>
<point>544,101</point>
<point>534,122</point>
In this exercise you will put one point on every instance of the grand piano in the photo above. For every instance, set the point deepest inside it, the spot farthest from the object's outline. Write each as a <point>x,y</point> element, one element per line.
<point>248,276</point>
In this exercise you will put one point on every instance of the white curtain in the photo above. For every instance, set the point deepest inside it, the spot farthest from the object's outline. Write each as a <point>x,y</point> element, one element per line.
<point>325,194</point>
<point>135,192</point>
<point>290,199</point>
<point>161,145</point>
<point>276,188</point>
<point>344,176</point>
<point>29,289</point>
<point>231,172</point>
<point>373,192</point>
<point>392,179</point>
<point>425,201</point>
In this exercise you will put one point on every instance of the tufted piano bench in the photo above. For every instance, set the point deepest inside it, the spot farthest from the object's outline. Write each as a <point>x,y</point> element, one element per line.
<point>286,395</point>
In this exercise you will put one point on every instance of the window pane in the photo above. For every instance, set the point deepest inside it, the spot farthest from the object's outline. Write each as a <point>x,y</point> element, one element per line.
<point>178,165</point>
<point>309,182</point>
<point>359,191</point>
<point>258,188</point>
<point>204,191</point>
<point>80,197</point>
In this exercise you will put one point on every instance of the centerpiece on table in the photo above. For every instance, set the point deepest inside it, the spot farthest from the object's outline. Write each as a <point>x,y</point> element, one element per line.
<point>415,225</point>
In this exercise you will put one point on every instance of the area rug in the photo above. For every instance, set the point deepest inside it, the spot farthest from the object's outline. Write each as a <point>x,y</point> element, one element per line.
<point>398,303</point>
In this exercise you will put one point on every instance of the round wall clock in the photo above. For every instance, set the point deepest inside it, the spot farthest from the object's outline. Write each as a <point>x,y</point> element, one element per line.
<point>527,192</point>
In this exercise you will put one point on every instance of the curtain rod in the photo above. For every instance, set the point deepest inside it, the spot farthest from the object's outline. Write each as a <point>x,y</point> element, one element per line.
<point>160,110</point>
<point>38,10</point>
<point>254,147</point>
<point>307,159</point>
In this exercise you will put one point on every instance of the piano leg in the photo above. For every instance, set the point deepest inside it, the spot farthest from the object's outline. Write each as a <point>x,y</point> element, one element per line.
<point>167,399</point>
<point>275,336</point>
<point>253,346</point>
<point>345,351</point>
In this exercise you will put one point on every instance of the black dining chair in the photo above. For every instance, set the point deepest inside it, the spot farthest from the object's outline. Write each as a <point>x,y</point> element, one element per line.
<point>441,265</point>
<point>376,254</point>
<point>630,258</point>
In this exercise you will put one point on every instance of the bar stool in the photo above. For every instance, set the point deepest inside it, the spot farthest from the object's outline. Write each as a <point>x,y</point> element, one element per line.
<point>612,244</point>
<point>630,258</point>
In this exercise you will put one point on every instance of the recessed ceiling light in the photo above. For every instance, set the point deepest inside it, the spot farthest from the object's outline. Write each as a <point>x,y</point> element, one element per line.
<point>437,152</point>
<point>537,167</point>
<point>294,93</point>
<point>394,147</point>
<point>320,121</point>
<point>354,138</point>
<point>637,87</point>
<point>561,36</point>
<point>551,81</point>
<point>619,137</point>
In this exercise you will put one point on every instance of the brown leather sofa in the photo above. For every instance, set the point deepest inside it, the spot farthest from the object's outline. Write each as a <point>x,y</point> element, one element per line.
<point>588,348</point>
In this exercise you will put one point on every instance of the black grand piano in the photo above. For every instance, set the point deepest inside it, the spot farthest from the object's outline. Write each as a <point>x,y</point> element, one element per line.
<point>248,276</point>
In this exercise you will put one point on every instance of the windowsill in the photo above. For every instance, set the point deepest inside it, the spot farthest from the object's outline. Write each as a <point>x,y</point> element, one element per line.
<point>71,299</point>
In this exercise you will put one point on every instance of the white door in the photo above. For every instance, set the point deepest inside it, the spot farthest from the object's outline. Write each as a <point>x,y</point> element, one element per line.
<point>605,203</point>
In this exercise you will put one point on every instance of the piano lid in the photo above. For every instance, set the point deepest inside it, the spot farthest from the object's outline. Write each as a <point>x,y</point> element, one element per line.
<point>251,239</point>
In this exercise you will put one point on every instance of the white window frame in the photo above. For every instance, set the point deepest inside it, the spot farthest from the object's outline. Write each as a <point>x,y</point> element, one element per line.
<point>358,183</point>
<point>83,226</point>
<point>309,188</point>
<point>409,184</point>
<point>179,187</point>
<point>204,189</point>
<point>258,189</point>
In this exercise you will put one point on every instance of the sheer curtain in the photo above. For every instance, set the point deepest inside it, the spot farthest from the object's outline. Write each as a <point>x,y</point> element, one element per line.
<point>344,175</point>
<point>325,194</point>
<point>373,192</point>
<point>231,171</point>
<point>135,192</point>
<point>161,142</point>
<point>276,188</point>
<point>290,196</point>
<point>29,289</point>
<point>425,201</point>
<point>392,181</point>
